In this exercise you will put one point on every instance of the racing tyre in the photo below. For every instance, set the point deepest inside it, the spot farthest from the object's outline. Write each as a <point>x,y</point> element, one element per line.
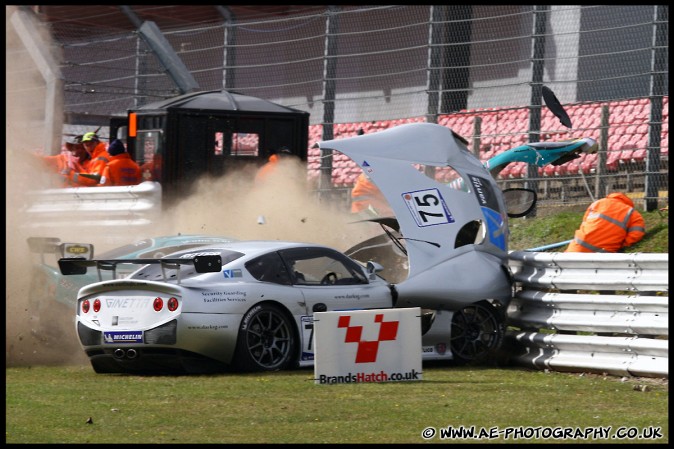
<point>477,333</point>
<point>266,340</point>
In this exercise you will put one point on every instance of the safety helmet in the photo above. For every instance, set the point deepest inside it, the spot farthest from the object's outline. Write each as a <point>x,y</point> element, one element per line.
<point>73,142</point>
<point>91,136</point>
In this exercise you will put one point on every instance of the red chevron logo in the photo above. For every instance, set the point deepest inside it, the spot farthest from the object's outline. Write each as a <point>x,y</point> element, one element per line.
<point>367,350</point>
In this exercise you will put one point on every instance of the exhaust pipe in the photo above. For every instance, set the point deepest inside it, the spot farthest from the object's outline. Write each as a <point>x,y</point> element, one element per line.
<point>119,353</point>
<point>131,353</point>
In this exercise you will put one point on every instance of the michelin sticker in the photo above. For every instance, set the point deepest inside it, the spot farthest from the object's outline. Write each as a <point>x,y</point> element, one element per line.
<point>428,207</point>
<point>123,337</point>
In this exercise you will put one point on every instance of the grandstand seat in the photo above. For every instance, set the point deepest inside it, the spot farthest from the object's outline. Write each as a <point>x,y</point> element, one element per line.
<point>623,141</point>
<point>572,167</point>
<point>518,170</point>
<point>548,171</point>
<point>612,160</point>
<point>642,129</point>
<point>385,124</point>
<point>638,140</point>
<point>486,155</point>
<point>505,173</point>
<point>626,154</point>
<point>351,178</point>
<point>561,170</point>
<point>588,163</point>
<point>313,165</point>
<point>638,155</point>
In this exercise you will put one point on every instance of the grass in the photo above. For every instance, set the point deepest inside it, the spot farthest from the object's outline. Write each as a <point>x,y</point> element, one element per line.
<point>53,405</point>
<point>552,226</point>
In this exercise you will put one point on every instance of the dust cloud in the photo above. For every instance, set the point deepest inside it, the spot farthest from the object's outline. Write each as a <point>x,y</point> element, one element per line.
<point>41,332</point>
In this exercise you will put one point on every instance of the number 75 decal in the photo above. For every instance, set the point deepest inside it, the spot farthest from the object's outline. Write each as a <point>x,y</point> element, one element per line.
<point>428,207</point>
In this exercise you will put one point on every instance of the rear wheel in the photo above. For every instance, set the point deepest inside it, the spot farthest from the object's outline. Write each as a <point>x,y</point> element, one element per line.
<point>477,333</point>
<point>266,340</point>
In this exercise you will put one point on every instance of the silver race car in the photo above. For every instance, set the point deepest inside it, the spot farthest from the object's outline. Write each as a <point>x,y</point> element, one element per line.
<point>249,305</point>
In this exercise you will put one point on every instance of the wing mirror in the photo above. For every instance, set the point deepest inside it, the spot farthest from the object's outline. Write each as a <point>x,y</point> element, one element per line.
<point>373,268</point>
<point>519,201</point>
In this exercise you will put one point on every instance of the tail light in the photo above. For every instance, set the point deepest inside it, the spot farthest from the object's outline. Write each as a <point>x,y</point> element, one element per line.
<point>97,305</point>
<point>158,304</point>
<point>85,306</point>
<point>172,304</point>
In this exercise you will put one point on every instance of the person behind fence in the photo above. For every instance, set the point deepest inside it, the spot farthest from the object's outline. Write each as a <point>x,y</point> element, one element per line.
<point>74,157</point>
<point>121,169</point>
<point>609,225</point>
<point>99,159</point>
<point>268,169</point>
<point>367,199</point>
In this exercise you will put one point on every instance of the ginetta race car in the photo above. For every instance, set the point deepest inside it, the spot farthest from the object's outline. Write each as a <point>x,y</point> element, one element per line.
<point>49,285</point>
<point>249,305</point>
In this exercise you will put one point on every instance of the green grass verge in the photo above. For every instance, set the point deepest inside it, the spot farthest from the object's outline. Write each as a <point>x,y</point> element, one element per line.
<point>53,405</point>
<point>552,226</point>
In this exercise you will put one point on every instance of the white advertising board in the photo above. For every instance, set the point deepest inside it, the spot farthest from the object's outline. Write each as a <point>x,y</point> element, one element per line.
<point>379,345</point>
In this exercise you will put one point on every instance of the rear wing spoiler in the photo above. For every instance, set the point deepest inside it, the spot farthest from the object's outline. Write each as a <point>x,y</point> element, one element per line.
<point>203,263</point>
<point>53,245</point>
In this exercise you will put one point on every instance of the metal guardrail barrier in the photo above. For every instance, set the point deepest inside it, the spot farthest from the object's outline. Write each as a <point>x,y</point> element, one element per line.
<point>605,313</point>
<point>135,206</point>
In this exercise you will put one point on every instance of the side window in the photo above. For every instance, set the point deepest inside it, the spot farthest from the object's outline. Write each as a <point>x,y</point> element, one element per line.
<point>269,268</point>
<point>322,266</point>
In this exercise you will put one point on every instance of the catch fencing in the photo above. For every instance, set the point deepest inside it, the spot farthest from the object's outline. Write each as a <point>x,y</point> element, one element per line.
<point>602,313</point>
<point>356,64</point>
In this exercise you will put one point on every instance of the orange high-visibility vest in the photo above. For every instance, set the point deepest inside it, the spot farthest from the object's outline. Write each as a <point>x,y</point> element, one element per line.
<point>92,177</point>
<point>121,171</point>
<point>609,225</point>
<point>365,195</point>
<point>265,171</point>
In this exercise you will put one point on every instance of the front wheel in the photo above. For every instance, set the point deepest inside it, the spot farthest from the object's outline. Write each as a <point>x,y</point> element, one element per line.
<point>477,333</point>
<point>266,340</point>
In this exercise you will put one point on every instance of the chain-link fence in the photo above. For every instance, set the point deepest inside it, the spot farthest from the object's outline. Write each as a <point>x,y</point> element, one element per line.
<point>478,69</point>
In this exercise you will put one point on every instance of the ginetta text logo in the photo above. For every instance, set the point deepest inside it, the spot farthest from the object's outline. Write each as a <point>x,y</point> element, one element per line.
<point>367,350</point>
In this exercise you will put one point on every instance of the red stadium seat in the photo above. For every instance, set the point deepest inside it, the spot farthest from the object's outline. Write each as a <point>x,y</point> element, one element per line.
<point>572,167</point>
<point>351,178</point>
<point>518,170</point>
<point>588,163</point>
<point>612,160</point>
<point>638,155</point>
<point>626,155</point>
<point>561,170</point>
<point>486,155</point>
<point>505,173</point>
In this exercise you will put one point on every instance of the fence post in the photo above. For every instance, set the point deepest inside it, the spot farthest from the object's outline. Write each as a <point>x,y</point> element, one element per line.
<point>329,71</point>
<point>538,62</point>
<point>599,182</point>
<point>659,65</point>
<point>477,136</point>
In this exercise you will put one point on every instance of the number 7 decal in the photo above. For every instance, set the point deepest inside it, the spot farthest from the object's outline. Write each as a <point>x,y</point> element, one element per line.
<point>428,207</point>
